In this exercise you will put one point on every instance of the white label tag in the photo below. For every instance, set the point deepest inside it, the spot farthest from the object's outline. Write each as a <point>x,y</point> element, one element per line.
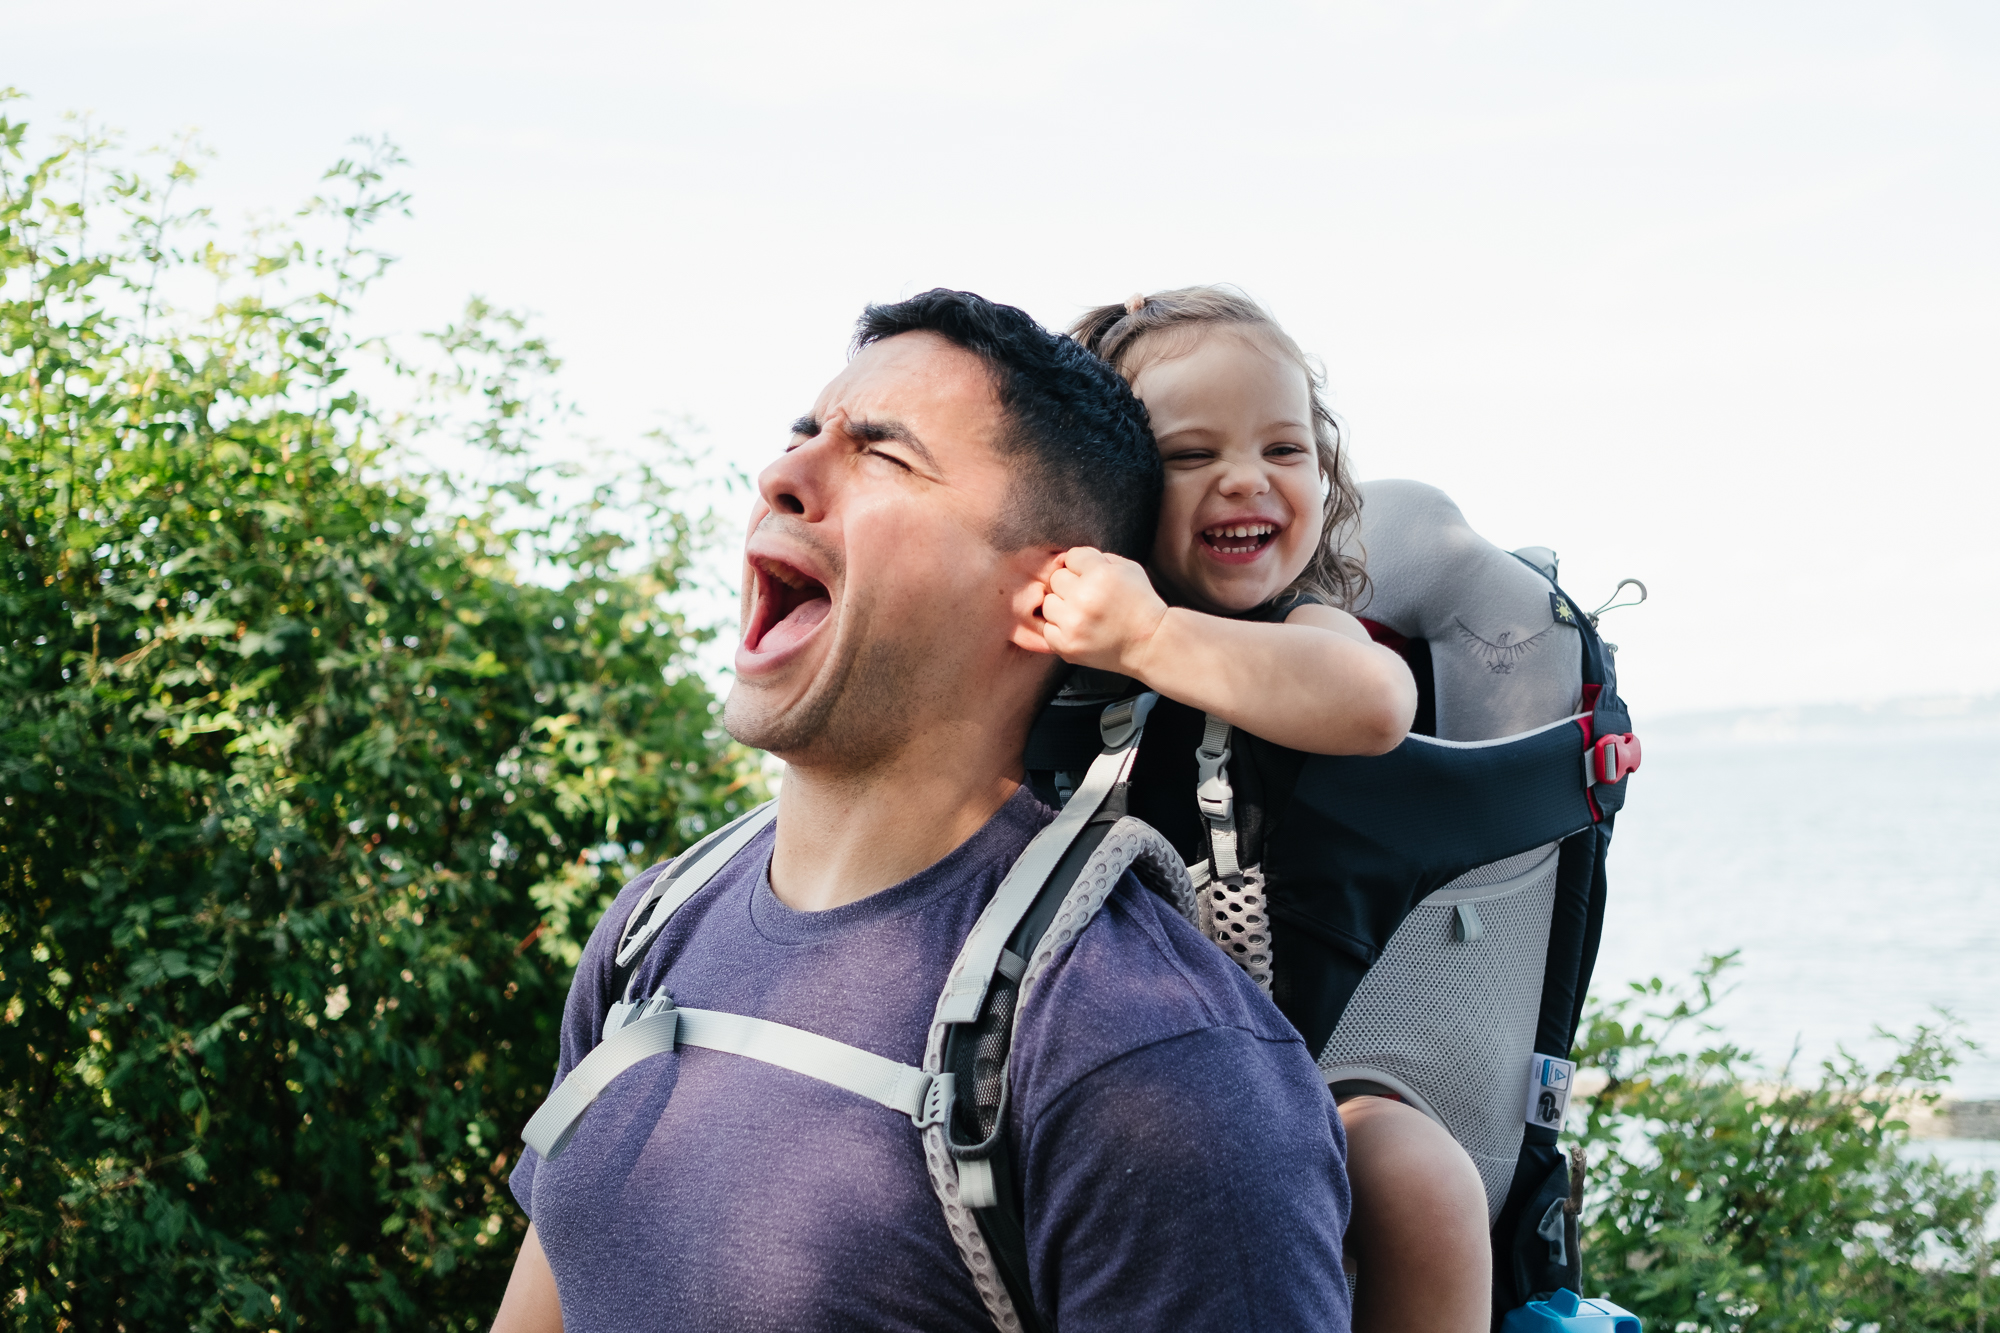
<point>1549,1081</point>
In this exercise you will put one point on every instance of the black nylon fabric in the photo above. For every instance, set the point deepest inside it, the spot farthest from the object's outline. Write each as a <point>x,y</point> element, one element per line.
<point>1593,930</point>
<point>1523,1262</point>
<point>1363,840</point>
<point>1065,736</point>
<point>1578,871</point>
<point>1164,774</point>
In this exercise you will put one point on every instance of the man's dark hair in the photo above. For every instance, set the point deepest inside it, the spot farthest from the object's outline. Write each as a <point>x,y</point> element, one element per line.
<point>1093,476</point>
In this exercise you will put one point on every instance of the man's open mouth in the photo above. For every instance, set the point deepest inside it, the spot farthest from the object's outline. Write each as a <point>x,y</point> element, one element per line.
<point>790,604</point>
<point>1239,539</point>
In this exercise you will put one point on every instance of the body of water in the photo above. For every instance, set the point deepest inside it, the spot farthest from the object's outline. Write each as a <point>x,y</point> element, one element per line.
<point>1851,855</point>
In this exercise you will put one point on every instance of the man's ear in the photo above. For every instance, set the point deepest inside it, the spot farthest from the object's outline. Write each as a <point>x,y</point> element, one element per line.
<point>1036,566</point>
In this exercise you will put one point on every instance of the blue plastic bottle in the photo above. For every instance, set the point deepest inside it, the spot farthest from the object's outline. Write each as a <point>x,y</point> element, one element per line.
<point>1567,1312</point>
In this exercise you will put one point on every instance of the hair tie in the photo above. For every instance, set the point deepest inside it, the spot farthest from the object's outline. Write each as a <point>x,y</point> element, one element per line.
<point>1135,303</point>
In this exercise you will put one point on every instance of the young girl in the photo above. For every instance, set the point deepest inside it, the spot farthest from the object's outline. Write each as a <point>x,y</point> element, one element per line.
<point>1240,614</point>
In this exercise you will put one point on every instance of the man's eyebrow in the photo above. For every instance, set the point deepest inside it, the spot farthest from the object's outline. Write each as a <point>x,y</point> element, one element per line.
<point>873,432</point>
<point>805,426</point>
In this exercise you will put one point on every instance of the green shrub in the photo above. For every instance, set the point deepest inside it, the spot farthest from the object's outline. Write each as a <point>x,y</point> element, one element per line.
<point>308,792</point>
<point>1723,1198</point>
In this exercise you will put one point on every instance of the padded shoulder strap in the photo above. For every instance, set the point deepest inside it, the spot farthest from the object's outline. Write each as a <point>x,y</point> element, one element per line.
<point>689,872</point>
<point>970,1163</point>
<point>1123,724</point>
<point>1051,894</point>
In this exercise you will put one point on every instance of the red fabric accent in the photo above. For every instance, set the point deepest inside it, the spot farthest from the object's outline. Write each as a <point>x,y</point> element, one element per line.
<point>1385,636</point>
<point>1583,725</point>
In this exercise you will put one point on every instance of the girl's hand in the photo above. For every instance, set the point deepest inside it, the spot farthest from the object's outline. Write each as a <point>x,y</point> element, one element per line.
<point>1101,611</point>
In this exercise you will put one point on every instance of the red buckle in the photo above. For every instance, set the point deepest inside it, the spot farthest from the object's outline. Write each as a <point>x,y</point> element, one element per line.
<point>1616,756</point>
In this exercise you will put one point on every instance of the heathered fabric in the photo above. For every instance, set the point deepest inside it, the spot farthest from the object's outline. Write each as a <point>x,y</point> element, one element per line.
<point>1179,1158</point>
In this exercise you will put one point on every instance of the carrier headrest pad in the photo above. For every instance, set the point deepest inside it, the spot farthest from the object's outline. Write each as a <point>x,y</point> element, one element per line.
<point>1502,662</point>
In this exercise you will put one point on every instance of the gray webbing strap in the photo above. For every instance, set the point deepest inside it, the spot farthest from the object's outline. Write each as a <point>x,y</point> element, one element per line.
<point>734,840</point>
<point>965,990</point>
<point>899,1087</point>
<point>1217,798</point>
<point>548,1130</point>
<point>669,876</point>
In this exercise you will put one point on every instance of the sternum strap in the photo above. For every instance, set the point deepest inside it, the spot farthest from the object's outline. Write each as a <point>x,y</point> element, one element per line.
<point>899,1087</point>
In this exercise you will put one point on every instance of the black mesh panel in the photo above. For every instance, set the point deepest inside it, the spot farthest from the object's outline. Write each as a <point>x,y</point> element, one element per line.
<point>989,1054</point>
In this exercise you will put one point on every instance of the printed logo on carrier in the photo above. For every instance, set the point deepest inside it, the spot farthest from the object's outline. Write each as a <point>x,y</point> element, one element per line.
<point>1549,1081</point>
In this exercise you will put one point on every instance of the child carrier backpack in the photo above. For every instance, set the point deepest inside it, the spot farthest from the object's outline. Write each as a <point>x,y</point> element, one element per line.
<point>1429,918</point>
<point>1335,903</point>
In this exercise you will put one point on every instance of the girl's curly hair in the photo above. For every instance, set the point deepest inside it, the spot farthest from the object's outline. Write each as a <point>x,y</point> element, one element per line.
<point>1115,332</point>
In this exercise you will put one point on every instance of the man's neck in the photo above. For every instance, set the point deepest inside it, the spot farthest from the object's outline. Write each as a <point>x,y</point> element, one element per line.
<point>843,836</point>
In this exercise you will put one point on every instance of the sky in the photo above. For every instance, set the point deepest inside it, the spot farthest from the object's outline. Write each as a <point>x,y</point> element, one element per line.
<point>1704,294</point>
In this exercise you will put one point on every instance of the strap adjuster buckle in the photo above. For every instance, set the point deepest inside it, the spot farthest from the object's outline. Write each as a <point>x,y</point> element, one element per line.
<point>624,1013</point>
<point>1610,759</point>
<point>936,1106</point>
<point>1212,791</point>
<point>1121,721</point>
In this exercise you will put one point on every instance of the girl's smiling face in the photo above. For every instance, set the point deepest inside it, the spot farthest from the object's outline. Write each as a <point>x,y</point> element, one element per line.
<point>1241,515</point>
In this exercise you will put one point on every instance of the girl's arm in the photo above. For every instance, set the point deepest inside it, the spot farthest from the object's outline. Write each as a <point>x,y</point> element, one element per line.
<point>1315,683</point>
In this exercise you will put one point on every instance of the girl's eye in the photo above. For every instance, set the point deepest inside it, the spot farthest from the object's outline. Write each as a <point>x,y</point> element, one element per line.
<point>1283,451</point>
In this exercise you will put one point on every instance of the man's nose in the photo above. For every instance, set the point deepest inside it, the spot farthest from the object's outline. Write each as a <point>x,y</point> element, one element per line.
<point>796,481</point>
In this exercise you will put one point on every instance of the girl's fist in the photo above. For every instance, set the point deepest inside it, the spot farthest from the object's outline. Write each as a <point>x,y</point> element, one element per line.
<point>1101,610</point>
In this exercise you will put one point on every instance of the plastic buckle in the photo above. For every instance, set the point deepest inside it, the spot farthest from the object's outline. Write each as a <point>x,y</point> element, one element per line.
<point>1610,759</point>
<point>1564,1311</point>
<point>1119,722</point>
<point>937,1101</point>
<point>624,1014</point>
<point>1212,791</point>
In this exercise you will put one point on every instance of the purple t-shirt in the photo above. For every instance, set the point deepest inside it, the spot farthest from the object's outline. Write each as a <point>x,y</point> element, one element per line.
<point>1179,1160</point>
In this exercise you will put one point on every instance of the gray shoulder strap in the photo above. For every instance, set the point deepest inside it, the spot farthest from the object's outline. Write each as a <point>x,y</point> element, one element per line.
<point>965,989</point>
<point>705,859</point>
<point>965,1184</point>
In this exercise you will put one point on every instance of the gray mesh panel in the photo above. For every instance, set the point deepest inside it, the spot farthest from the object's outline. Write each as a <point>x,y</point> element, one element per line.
<point>1237,918</point>
<point>1456,1022</point>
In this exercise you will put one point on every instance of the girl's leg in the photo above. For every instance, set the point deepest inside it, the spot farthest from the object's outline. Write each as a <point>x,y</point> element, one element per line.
<point>1418,1234</point>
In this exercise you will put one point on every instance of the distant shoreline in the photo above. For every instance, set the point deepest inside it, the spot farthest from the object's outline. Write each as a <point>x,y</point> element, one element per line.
<point>1943,714</point>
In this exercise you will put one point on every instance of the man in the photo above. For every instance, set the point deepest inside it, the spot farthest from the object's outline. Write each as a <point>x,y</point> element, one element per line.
<point>1178,1158</point>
